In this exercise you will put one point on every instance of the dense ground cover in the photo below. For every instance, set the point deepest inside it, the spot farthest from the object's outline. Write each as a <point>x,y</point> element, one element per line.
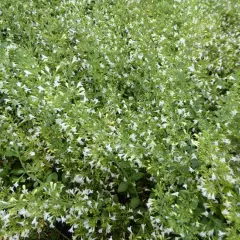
<point>119,119</point>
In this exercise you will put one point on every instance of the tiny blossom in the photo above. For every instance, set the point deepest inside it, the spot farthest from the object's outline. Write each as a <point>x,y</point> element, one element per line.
<point>191,68</point>
<point>103,114</point>
<point>211,232</point>
<point>71,230</point>
<point>32,154</point>
<point>205,213</point>
<point>130,229</point>
<point>34,222</point>
<point>108,147</point>
<point>27,73</point>
<point>203,234</point>
<point>225,212</point>
<point>182,41</point>
<point>234,113</point>
<point>227,141</point>
<point>175,194</point>
<point>133,137</point>
<point>221,234</point>
<point>227,204</point>
<point>78,179</point>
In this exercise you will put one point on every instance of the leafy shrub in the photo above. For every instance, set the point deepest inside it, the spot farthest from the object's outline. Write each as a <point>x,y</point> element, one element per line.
<point>119,119</point>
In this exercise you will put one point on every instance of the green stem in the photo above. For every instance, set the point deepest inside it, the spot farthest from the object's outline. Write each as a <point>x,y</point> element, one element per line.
<point>25,169</point>
<point>64,236</point>
<point>127,177</point>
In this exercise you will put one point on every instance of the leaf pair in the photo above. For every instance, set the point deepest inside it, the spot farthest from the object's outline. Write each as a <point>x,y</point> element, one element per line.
<point>53,177</point>
<point>123,187</point>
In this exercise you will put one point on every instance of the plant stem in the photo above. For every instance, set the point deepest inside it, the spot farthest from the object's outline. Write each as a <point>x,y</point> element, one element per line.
<point>127,177</point>
<point>62,234</point>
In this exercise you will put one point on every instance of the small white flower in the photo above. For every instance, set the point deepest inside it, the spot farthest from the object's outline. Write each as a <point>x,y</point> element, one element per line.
<point>31,116</point>
<point>23,212</point>
<point>21,223</point>
<point>133,137</point>
<point>175,194</point>
<point>78,179</point>
<point>225,212</point>
<point>210,233</point>
<point>108,147</point>
<point>222,160</point>
<point>27,73</point>
<point>234,112</point>
<point>140,56</point>
<point>191,170</point>
<point>112,128</point>
<point>205,213</point>
<point>63,219</point>
<point>6,217</point>
<point>44,58</point>
<point>51,225</point>
<point>40,89</point>
<point>34,222</point>
<point>47,69</point>
<point>203,234</point>
<point>227,141</point>
<point>182,41</point>
<point>79,140</point>
<point>74,59</point>
<point>46,215</point>
<point>214,177</point>
<point>191,68</point>
<point>113,218</point>
<point>229,194</point>
<point>32,154</point>
<point>130,229</point>
<point>220,233</point>
<point>227,204</point>
<point>71,230</point>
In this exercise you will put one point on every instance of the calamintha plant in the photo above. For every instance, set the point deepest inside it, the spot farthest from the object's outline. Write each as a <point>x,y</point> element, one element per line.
<point>119,119</point>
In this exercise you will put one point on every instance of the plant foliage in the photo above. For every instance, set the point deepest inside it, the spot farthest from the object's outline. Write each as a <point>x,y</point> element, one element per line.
<point>119,119</point>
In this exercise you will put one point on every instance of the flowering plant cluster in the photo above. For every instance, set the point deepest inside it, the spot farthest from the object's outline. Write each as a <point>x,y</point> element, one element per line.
<point>119,119</point>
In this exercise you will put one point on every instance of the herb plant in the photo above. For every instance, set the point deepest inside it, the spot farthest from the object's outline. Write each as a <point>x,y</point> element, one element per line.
<point>119,119</point>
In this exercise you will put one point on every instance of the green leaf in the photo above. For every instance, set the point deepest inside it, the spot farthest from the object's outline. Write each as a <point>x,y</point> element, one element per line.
<point>194,204</point>
<point>195,163</point>
<point>35,184</point>
<point>115,199</point>
<point>181,180</point>
<point>17,171</point>
<point>47,174</point>
<point>131,189</point>
<point>4,173</point>
<point>124,165</point>
<point>123,186</point>
<point>52,177</point>
<point>137,176</point>
<point>184,193</point>
<point>11,153</point>
<point>64,179</point>
<point>134,202</point>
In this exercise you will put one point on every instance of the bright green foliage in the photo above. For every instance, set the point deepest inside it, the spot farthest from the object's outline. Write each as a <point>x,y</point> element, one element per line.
<point>120,119</point>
